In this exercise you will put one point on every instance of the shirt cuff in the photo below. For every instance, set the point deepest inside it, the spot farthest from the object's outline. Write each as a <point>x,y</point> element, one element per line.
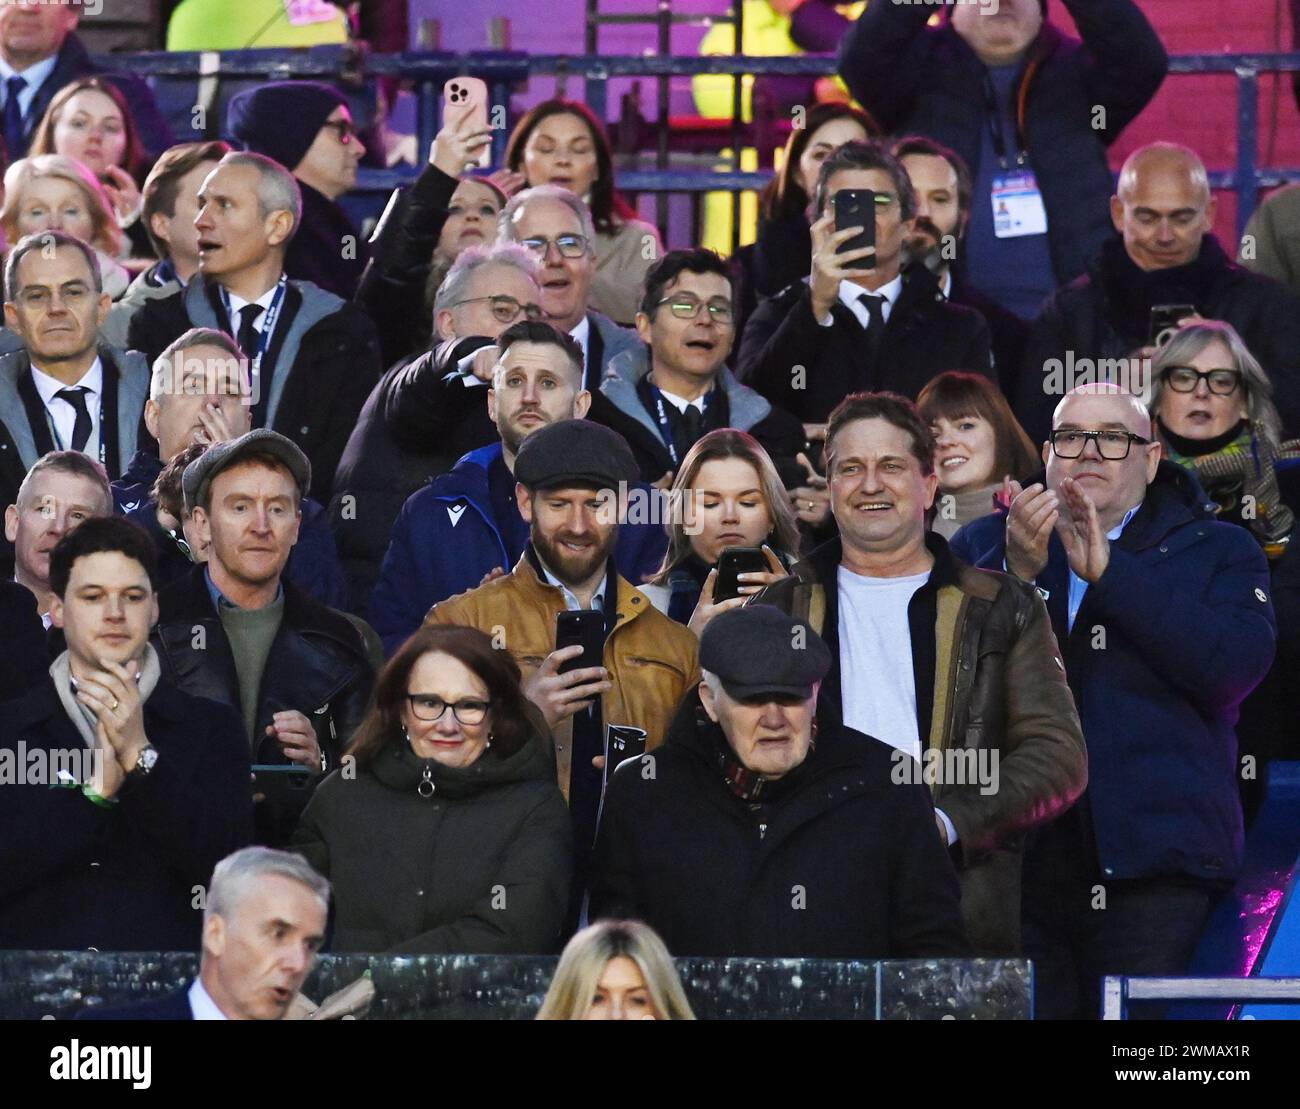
<point>947,825</point>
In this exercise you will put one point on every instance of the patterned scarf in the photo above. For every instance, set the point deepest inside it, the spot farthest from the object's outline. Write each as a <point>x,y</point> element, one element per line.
<point>1238,470</point>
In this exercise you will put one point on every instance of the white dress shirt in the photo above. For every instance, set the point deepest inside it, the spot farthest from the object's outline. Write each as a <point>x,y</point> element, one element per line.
<point>238,302</point>
<point>581,334</point>
<point>62,414</point>
<point>681,403</point>
<point>850,295</point>
<point>201,1003</point>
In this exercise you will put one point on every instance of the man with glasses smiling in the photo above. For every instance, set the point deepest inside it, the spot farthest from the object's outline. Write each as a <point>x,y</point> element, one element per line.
<point>1166,624</point>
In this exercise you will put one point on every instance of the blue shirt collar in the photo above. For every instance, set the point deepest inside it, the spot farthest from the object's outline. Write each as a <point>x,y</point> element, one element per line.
<point>221,601</point>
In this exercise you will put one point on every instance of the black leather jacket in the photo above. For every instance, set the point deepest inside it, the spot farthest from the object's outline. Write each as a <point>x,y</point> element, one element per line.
<point>317,665</point>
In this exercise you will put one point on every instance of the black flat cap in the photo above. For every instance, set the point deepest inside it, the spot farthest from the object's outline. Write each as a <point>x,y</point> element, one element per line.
<point>262,440</point>
<point>758,649</point>
<point>575,452</point>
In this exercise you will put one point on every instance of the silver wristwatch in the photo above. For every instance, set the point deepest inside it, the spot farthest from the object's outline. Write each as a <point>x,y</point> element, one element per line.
<point>144,762</point>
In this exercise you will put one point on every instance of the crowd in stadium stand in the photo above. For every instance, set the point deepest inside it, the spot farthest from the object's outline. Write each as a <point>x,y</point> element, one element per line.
<point>502,579</point>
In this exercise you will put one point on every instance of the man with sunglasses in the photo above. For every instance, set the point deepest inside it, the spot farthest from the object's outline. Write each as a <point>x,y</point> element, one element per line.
<point>1166,624</point>
<point>676,388</point>
<point>307,127</point>
<point>858,321</point>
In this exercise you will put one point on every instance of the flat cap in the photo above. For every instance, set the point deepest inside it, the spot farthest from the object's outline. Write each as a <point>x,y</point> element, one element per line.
<point>575,452</point>
<point>759,650</point>
<point>262,440</point>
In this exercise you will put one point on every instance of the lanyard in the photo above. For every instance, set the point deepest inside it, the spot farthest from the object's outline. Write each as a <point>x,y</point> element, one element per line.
<point>665,428</point>
<point>268,329</point>
<point>995,128</point>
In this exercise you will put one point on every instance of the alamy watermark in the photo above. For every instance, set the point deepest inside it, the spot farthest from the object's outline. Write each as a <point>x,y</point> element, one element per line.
<point>952,766</point>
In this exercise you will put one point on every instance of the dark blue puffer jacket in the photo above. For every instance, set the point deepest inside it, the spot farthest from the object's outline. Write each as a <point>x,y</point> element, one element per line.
<point>447,537</point>
<point>1166,645</point>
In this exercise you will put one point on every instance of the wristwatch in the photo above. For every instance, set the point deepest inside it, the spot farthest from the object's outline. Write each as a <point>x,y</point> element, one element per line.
<point>144,763</point>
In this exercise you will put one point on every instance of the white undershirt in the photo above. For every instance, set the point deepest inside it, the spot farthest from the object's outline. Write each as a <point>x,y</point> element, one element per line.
<point>201,1003</point>
<point>877,686</point>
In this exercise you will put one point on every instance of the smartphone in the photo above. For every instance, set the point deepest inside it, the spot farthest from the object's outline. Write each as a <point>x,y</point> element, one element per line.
<point>733,562</point>
<point>585,628</point>
<point>1165,319</point>
<point>468,92</point>
<point>622,742</point>
<point>285,785</point>
<point>856,208</point>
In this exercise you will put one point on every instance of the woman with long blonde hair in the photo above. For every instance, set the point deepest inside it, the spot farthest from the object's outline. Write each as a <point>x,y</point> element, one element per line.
<point>616,970</point>
<point>727,493</point>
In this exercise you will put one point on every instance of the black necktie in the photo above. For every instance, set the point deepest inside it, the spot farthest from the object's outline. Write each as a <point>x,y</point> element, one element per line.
<point>248,337</point>
<point>692,425</point>
<point>14,118</point>
<point>876,325</point>
<point>81,429</point>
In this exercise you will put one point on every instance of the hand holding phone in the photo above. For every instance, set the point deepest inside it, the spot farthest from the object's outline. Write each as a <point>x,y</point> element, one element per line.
<point>465,141</point>
<point>856,208</point>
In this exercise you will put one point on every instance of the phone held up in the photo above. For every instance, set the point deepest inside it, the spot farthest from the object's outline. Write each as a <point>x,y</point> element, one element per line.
<point>733,562</point>
<point>585,628</point>
<point>856,208</point>
<point>461,93</point>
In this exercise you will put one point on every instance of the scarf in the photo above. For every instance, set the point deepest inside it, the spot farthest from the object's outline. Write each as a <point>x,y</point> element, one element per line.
<point>1131,292</point>
<point>1237,465</point>
<point>82,718</point>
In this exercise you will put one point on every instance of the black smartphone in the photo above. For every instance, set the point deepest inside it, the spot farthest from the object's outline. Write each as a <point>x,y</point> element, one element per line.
<point>733,562</point>
<point>283,784</point>
<point>586,628</point>
<point>622,742</point>
<point>1165,319</point>
<point>856,208</point>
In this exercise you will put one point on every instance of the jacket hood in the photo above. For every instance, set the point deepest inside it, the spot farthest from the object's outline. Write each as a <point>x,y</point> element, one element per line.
<point>400,768</point>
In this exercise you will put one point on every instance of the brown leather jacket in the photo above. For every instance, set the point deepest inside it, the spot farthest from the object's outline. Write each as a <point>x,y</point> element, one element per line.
<point>999,685</point>
<point>652,660</point>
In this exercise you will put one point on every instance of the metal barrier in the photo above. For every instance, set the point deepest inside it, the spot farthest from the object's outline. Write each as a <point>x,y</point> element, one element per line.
<point>503,69</point>
<point>1118,991</point>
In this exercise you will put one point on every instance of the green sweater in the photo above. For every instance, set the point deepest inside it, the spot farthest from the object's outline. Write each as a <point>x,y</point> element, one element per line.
<point>251,632</point>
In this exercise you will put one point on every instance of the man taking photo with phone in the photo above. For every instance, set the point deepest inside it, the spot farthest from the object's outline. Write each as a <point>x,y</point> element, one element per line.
<point>857,322</point>
<point>568,476</point>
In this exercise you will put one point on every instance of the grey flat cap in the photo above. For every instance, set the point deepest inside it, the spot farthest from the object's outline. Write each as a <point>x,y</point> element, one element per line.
<point>759,650</point>
<point>575,452</point>
<point>199,473</point>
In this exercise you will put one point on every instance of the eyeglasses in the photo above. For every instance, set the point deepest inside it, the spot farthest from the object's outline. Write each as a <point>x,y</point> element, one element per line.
<point>1185,379</point>
<point>505,309</point>
<point>569,246</point>
<point>345,129</point>
<point>427,707</point>
<point>1111,445</point>
<point>687,307</point>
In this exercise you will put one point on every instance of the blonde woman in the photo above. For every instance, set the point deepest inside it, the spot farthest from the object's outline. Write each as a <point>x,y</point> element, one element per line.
<point>726,494</point>
<point>52,192</point>
<point>616,970</point>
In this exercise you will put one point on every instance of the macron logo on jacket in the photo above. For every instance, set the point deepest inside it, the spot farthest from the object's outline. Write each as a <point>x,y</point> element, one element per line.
<point>456,511</point>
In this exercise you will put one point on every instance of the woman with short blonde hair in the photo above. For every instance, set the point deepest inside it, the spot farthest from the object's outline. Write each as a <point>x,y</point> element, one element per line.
<point>52,192</point>
<point>585,989</point>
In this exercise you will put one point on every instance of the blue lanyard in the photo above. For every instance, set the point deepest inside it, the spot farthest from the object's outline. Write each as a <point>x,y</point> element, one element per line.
<point>268,329</point>
<point>661,418</point>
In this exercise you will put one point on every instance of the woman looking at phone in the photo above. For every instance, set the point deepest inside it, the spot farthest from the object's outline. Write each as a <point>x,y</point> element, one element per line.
<point>726,494</point>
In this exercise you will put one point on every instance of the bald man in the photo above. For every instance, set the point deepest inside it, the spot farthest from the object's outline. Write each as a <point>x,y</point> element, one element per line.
<point>1162,254</point>
<point>1166,623</point>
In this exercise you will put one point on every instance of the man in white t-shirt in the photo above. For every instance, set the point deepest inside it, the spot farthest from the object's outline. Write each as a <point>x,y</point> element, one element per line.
<point>955,668</point>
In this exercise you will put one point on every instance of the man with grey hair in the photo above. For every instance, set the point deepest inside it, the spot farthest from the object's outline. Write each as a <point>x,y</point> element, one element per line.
<point>1162,264</point>
<point>65,389</point>
<point>199,393</point>
<point>1164,618</point>
<point>312,357</point>
<point>264,920</point>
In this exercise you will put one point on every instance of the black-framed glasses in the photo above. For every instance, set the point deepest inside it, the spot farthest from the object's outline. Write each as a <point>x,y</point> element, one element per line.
<point>687,307</point>
<point>505,309</point>
<point>1111,445</point>
<point>427,707</point>
<point>569,246</point>
<point>1185,379</point>
<point>345,129</point>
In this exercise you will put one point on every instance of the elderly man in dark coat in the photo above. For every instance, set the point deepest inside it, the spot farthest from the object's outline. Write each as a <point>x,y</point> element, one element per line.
<point>741,837</point>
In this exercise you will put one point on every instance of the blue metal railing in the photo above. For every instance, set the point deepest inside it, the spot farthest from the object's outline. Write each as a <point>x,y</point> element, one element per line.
<point>502,70</point>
